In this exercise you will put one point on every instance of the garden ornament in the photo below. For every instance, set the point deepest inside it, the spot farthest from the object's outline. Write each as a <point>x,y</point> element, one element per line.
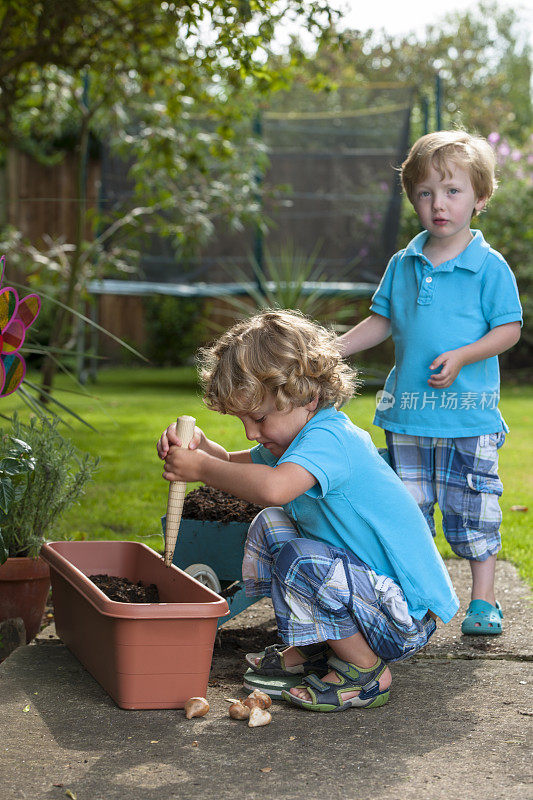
<point>16,316</point>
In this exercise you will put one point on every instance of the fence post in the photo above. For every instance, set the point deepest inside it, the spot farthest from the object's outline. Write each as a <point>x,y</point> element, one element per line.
<point>258,235</point>
<point>425,113</point>
<point>438,101</point>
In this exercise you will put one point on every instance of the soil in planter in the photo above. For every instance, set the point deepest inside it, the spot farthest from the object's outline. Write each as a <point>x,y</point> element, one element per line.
<point>212,505</point>
<point>121,590</point>
<point>205,504</point>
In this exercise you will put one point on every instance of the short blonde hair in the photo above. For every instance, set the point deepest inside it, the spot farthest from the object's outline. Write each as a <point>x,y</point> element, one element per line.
<point>281,353</point>
<point>441,148</point>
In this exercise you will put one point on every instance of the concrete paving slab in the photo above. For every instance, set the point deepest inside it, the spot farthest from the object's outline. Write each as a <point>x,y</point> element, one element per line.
<point>457,727</point>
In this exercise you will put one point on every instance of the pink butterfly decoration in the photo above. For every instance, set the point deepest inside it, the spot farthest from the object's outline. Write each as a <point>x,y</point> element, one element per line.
<point>16,316</point>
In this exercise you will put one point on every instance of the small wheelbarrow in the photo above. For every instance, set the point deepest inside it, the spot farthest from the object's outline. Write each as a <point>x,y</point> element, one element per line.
<point>212,552</point>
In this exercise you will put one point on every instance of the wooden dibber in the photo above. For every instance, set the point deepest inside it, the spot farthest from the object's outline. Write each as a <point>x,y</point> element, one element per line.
<point>176,492</point>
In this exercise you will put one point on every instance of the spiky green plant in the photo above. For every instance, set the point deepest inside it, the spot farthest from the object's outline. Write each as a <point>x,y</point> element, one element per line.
<point>292,279</point>
<point>57,479</point>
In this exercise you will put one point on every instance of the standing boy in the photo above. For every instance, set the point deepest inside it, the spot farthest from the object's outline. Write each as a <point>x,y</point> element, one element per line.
<point>451,304</point>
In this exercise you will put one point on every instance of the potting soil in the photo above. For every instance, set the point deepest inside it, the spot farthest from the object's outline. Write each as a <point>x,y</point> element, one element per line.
<point>121,590</point>
<point>212,505</point>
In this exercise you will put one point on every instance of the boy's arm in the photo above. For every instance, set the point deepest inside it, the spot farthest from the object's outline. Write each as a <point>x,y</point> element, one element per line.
<point>496,341</point>
<point>256,483</point>
<point>370,332</point>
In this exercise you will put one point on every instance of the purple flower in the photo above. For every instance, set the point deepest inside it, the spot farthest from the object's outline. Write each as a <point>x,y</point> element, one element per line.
<point>516,155</point>
<point>504,149</point>
<point>493,137</point>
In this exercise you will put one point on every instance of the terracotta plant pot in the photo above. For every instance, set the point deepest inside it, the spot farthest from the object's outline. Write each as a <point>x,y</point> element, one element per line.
<point>145,655</point>
<point>24,586</point>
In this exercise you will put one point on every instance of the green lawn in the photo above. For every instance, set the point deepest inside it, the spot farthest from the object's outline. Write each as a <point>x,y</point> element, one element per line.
<point>130,407</point>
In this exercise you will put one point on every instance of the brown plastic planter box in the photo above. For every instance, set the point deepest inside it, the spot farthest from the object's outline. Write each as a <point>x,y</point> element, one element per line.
<point>145,655</point>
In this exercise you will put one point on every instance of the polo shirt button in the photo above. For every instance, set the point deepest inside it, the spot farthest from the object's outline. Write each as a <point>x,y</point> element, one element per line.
<point>429,279</point>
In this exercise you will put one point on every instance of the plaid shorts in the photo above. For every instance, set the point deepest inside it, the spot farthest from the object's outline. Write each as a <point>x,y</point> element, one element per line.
<point>321,592</point>
<point>462,476</point>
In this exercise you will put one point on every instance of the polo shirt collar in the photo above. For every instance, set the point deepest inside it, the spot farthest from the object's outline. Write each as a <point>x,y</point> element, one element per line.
<point>471,258</point>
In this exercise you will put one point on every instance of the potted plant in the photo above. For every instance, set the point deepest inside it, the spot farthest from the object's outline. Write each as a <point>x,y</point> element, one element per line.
<point>41,475</point>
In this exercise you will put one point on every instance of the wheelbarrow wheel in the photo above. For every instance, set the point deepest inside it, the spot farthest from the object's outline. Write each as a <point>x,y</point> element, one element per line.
<point>205,575</point>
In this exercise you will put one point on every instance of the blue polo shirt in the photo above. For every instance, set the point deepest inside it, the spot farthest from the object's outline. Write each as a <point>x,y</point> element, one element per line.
<point>358,503</point>
<point>435,309</point>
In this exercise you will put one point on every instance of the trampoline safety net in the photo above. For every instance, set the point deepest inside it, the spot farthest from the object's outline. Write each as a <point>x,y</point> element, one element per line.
<point>331,186</point>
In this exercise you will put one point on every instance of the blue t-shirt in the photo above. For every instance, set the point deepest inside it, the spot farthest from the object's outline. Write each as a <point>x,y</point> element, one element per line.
<point>435,309</point>
<point>359,503</point>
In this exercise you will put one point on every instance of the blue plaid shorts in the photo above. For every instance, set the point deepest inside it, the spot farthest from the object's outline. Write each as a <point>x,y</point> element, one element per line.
<point>462,476</point>
<point>321,592</point>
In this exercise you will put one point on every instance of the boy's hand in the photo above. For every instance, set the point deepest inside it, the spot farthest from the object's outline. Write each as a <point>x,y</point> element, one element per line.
<point>184,465</point>
<point>169,438</point>
<point>452,363</point>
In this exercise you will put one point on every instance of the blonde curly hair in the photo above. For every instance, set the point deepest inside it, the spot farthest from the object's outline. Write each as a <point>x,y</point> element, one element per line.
<point>276,352</point>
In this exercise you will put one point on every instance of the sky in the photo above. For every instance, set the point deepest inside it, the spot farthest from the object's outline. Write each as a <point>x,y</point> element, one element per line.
<point>403,16</point>
<point>408,15</point>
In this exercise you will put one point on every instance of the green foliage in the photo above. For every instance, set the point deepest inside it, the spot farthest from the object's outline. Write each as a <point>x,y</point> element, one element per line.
<point>16,462</point>
<point>47,475</point>
<point>175,328</point>
<point>508,227</point>
<point>47,271</point>
<point>167,84</point>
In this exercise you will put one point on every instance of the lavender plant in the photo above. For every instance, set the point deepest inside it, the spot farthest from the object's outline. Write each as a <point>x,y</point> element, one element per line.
<point>47,475</point>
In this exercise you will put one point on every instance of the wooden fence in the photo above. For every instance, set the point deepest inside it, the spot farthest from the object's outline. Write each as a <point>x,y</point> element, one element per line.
<point>42,199</point>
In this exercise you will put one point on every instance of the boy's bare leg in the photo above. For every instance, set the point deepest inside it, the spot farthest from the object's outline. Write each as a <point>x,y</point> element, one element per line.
<point>353,649</point>
<point>483,580</point>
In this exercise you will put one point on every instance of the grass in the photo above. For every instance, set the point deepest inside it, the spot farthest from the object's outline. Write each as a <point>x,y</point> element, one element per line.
<point>130,407</point>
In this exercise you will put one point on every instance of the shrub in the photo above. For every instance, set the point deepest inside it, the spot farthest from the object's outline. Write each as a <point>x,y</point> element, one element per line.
<point>56,481</point>
<point>174,329</point>
<point>508,227</point>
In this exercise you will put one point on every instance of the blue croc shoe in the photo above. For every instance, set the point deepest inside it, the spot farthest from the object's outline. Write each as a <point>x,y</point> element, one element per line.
<point>482,619</point>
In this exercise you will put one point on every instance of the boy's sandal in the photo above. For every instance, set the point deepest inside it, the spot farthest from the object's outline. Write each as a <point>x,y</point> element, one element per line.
<point>482,619</point>
<point>272,661</point>
<point>327,696</point>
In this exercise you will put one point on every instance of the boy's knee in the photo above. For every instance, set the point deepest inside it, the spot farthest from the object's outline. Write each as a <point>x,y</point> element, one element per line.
<point>471,542</point>
<point>270,520</point>
<point>268,532</point>
<point>269,515</point>
<point>471,513</point>
<point>476,546</point>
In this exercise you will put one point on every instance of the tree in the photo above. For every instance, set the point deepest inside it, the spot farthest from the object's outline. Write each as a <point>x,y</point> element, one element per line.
<point>138,72</point>
<point>482,55</point>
